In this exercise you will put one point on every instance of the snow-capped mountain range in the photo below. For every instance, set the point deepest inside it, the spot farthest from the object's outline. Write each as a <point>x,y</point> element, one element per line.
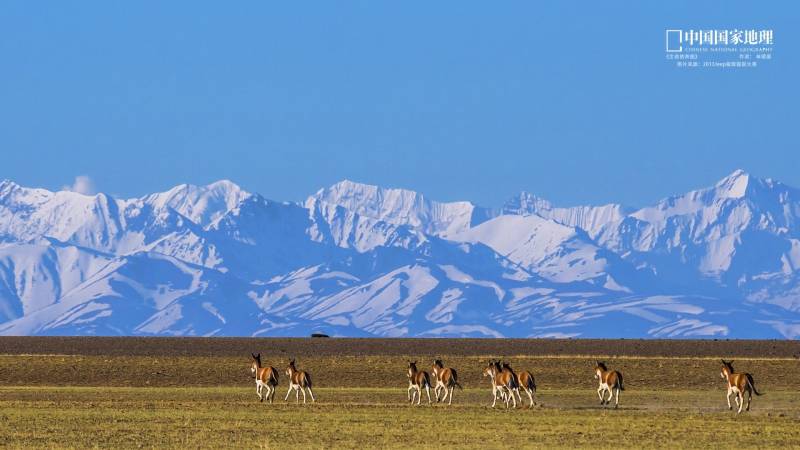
<point>361,260</point>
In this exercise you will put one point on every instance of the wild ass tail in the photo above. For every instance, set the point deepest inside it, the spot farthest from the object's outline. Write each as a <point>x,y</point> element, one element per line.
<point>427,379</point>
<point>621,383</point>
<point>752,384</point>
<point>455,380</point>
<point>531,384</point>
<point>307,379</point>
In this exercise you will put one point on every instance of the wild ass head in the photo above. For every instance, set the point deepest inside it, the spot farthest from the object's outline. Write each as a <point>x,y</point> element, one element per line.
<point>256,364</point>
<point>727,369</point>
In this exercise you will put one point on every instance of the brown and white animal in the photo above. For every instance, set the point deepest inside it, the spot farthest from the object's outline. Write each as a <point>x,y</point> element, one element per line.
<point>446,380</point>
<point>503,383</point>
<point>738,384</point>
<point>525,381</point>
<point>266,377</point>
<point>417,381</point>
<point>610,381</point>
<point>300,381</point>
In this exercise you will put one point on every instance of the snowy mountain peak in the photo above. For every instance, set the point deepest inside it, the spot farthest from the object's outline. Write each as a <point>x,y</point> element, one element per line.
<point>397,206</point>
<point>592,219</point>
<point>7,184</point>
<point>360,195</point>
<point>201,204</point>
<point>734,185</point>
<point>7,187</point>
<point>526,203</point>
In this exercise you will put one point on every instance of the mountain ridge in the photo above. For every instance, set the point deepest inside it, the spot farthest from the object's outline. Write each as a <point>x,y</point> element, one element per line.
<point>361,260</point>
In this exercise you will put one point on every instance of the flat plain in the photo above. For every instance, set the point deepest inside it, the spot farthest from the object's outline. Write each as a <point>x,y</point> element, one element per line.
<point>153,392</point>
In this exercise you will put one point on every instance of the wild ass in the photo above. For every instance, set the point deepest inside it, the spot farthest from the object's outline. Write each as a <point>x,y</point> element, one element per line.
<point>417,380</point>
<point>525,381</point>
<point>738,384</point>
<point>503,383</point>
<point>266,377</point>
<point>300,381</point>
<point>446,378</point>
<point>611,381</point>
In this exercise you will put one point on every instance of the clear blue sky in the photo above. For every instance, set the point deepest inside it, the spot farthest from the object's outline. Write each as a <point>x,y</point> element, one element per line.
<point>461,100</point>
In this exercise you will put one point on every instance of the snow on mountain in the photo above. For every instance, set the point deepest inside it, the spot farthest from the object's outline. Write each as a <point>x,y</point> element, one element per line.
<point>103,223</point>
<point>26,214</point>
<point>339,226</point>
<point>398,206</point>
<point>200,204</point>
<point>739,231</point>
<point>592,219</point>
<point>35,274</point>
<point>556,252</point>
<point>360,260</point>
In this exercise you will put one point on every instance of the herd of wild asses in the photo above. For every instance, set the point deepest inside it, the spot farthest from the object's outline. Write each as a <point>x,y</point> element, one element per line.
<point>506,383</point>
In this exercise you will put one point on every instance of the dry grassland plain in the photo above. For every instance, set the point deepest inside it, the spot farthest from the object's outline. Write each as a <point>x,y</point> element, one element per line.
<point>135,392</point>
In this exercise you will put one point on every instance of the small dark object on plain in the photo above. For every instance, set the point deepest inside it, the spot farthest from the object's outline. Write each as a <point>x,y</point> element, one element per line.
<point>321,335</point>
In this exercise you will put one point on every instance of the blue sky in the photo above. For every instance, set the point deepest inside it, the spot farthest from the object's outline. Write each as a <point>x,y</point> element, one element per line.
<point>461,100</point>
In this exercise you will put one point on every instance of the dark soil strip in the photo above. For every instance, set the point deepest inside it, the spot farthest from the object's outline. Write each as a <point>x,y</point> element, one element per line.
<point>152,346</point>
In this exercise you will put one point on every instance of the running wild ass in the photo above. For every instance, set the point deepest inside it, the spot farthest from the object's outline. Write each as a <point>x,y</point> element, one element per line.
<point>300,381</point>
<point>738,384</point>
<point>446,380</point>
<point>266,377</point>
<point>525,381</point>
<point>417,380</point>
<point>503,383</point>
<point>610,381</point>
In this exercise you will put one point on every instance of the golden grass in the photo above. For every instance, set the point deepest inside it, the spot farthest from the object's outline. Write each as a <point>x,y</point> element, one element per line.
<point>117,401</point>
<point>215,417</point>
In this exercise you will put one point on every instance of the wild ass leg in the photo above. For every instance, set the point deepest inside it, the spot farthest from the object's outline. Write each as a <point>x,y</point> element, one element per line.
<point>311,393</point>
<point>286,399</point>
<point>601,394</point>
<point>728,398</point>
<point>530,397</point>
<point>494,395</point>
<point>603,399</point>
<point>740,396</point>
<point>749,399</point>
<point>297,394</point>
<point>428,391</point>
<point>617,398</point>
<point>450,402</point>
<point>410,397</point>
